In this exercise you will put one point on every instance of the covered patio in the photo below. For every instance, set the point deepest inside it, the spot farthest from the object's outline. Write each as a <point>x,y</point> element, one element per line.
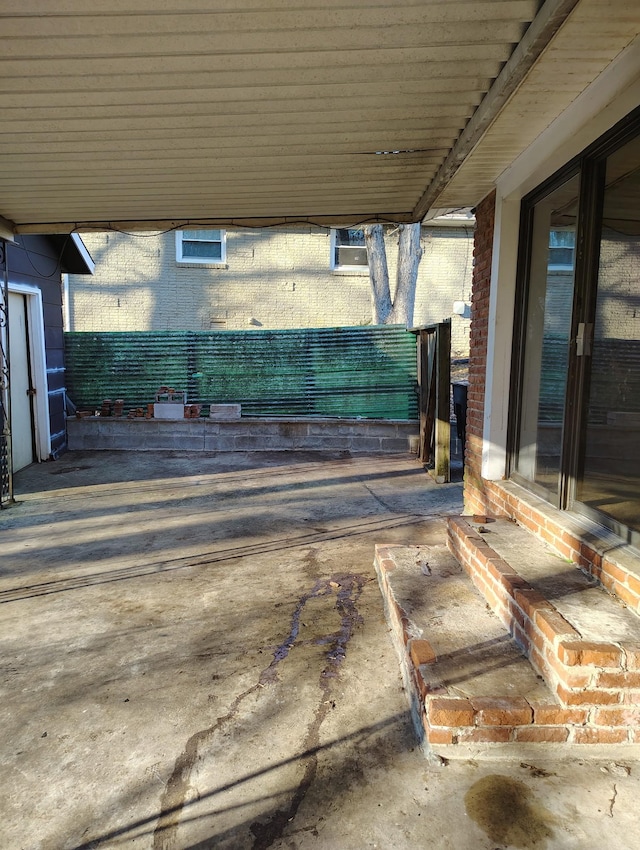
<point>195,650</point>
<point>195,656</point>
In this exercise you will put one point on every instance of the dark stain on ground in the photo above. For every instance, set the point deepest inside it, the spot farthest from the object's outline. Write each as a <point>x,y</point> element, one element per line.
<point>346,590</point>
<point>505,809</point>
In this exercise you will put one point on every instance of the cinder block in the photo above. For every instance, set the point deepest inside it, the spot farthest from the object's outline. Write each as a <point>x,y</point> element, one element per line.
<point>194,443</point>
<point>168,411</point>
<point>259,442</point>
<point>365,444</point>
<point>219,443</point>
<point>326,443</point>
<point>292,430</point>
<point>395,444</point>
<point>225,411</point>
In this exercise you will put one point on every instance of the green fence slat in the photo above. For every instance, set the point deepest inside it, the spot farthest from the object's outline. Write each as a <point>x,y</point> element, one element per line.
<point>366,372</point>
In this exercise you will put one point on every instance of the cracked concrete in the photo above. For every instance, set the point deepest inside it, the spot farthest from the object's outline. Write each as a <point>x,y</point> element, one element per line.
<point>194,655</point>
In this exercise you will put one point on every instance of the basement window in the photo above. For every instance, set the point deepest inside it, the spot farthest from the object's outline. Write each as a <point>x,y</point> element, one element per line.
<point>201,247</point>
<point>348,250</point>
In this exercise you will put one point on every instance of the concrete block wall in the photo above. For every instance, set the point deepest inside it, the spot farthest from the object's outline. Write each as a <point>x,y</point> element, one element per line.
<point>272,278</point>
<point>246,434</point>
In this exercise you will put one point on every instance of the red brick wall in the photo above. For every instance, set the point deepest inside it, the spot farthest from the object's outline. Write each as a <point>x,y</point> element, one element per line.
<point>474,491</point>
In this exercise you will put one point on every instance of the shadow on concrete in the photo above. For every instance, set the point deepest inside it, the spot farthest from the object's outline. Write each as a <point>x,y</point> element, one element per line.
<point>269,826</point>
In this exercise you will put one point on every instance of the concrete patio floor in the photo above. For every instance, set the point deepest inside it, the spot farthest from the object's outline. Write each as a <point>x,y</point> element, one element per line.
<point>195,655</point>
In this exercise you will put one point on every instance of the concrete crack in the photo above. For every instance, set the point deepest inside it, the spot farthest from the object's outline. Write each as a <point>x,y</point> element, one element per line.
<point>175,793</point>
<point>347,589</point>
<point>612,801</point>
<point>382,503</point>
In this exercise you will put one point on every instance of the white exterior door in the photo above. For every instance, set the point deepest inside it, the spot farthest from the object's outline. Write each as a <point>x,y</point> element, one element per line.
<point>22,425</point>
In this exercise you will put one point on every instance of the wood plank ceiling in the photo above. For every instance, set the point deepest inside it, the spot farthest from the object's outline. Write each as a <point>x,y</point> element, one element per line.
<point>172,111</point>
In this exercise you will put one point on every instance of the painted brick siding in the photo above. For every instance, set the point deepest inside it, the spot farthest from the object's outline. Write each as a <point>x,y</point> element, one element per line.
<point>483,247</point>
<point>271,279</point>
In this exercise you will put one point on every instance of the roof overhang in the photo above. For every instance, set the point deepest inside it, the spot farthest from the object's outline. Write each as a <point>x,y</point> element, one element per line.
<point>161,116</point>
<point>73,253</point>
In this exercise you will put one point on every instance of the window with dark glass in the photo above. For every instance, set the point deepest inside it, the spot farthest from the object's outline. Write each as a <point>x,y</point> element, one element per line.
<point>547,335</point>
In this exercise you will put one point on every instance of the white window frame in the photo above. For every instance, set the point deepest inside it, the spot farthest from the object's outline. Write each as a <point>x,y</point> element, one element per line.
<point>363,270</point>
<point>202,261</point>
<point>561,267</point>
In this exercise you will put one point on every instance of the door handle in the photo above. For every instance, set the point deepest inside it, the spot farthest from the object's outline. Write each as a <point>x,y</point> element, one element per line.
<point>584,339</point>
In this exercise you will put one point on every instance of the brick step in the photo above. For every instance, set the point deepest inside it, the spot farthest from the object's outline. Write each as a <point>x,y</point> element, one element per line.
<point>583,641</point>
<point>468,681</point>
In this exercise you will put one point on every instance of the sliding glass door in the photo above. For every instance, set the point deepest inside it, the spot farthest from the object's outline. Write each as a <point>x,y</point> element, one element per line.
<point>547,336</point>
<point>575,413</point>
<point>609,478</point>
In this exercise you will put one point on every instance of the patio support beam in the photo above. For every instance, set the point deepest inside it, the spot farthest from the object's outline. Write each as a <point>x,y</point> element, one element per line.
<point>542,29</point>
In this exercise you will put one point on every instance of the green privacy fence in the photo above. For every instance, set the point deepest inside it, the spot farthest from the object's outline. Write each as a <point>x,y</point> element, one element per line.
<point>367,372</point>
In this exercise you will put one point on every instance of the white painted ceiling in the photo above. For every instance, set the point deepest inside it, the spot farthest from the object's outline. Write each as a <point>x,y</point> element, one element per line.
<point>157,112</point>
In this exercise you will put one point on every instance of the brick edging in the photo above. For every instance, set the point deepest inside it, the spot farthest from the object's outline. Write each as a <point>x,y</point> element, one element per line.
<point>442,718</point>
<point>577,671</point>
<point>553,526</point>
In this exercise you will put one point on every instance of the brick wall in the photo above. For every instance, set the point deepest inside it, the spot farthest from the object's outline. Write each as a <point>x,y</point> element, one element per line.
<point>271,279</point>
<point>474,487</point>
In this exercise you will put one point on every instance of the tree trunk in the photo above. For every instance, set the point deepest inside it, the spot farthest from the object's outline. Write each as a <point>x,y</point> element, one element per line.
<point>378,273</point>
<point>409,256</point>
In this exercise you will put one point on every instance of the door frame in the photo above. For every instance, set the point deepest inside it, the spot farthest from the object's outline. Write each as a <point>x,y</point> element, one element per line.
<point>38,358</point>
<point>591,165</point>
